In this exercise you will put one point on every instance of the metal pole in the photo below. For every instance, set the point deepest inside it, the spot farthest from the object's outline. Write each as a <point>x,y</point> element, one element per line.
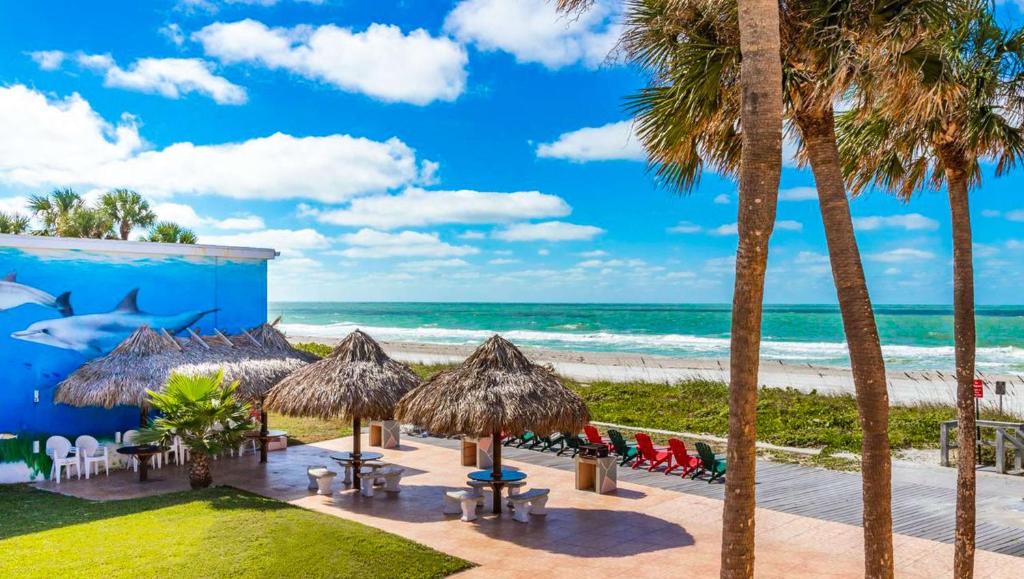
<point>977,417</point>
<point>496,470</point>
<point>357,430</point>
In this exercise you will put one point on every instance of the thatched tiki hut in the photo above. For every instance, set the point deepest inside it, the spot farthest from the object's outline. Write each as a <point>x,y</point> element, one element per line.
<point>122,377</point>
<point>355,381</point>
<point>497,389</point>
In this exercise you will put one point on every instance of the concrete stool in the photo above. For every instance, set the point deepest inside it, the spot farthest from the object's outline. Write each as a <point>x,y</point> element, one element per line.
<point>477,488</point>
<point>513,489</point>
<point>324,479</point>
<point>392,476</point>
<point>312,479</point>
<point>368,477</point>
<point>532,502</point>
<point>466,500</point>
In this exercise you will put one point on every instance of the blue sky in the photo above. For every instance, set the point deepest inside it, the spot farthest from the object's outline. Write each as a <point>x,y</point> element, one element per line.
<point>471,150</point>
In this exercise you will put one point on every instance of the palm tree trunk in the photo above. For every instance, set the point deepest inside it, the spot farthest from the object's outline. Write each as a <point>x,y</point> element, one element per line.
<point>125,230</point>
<point>818,131</point>
<point>199,475</point>
<point>760,167</point>
<point>964,349</point>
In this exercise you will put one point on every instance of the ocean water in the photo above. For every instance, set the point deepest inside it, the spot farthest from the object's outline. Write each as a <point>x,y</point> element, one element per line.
<point>913,337</point>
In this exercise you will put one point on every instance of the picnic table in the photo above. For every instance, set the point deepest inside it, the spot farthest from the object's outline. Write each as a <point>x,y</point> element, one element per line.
<point>353,462</point>
<point>142,452</point>
<point>498,482</point>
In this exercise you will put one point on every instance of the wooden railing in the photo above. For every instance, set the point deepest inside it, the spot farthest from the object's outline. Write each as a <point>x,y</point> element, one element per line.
<point>1011,433</point>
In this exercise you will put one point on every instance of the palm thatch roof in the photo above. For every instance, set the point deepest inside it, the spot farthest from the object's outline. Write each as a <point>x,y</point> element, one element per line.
<point>497,389</point>
<point>257,358</point>
<point>356,380</point>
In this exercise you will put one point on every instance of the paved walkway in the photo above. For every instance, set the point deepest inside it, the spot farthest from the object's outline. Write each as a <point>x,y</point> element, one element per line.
<point>924,498</point>
<point>640,531</point>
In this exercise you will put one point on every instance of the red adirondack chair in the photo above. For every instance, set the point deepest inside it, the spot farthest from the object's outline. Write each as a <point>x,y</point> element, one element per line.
<point>688,462</point>
<point>650,454</point>
<point>594,437</point>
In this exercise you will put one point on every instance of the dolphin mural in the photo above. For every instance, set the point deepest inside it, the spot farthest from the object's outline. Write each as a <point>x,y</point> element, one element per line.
<point>14,294</point>
<point>96,334</point>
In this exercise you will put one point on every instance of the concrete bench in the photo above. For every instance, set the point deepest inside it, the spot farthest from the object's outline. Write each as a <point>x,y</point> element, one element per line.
<point>324,478</point>
<point>513,489</point>
<point>531,502</point>
<point>312,479</point>
<point>461,501</point>
<point>389,476</point>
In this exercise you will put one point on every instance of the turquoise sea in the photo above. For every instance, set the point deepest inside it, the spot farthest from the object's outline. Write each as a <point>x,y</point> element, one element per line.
<point>914,337</point>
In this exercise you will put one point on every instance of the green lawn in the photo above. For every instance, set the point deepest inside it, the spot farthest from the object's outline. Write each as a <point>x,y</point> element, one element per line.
<point>217,532</point>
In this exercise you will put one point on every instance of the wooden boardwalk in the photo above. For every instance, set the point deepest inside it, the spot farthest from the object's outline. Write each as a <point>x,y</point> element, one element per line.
<point>919,510</point>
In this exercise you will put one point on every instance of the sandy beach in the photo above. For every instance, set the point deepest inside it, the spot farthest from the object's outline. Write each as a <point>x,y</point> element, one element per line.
<point>904,387</point>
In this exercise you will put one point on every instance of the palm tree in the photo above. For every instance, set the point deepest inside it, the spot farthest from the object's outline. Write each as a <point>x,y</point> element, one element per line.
<point>168,232</point>
<point>87,222</point>
<point>54,210</point>
<point>127,209</point>
<point>204,414</point>
<point>13,223</point>
<point>757,151</point>
<point>926,118</point>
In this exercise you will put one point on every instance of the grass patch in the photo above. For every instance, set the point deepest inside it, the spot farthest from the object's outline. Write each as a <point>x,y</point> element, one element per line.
<point>218,532</point>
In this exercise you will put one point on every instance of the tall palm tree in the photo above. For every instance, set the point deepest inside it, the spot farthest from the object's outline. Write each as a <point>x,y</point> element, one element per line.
<point>689,118</point>
<point>54,210</point>
<point>127,209</point>
<point>13,223</point>
<point>87,222</point>
<point>926,119</point>
<point>168,232</point>
<point>757,151</point>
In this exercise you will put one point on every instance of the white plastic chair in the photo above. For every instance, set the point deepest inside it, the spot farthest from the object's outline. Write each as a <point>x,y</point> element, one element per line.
<point>130,438</point>
<point>182,453</point>
<point>90,452</point>
<point>59,449</point>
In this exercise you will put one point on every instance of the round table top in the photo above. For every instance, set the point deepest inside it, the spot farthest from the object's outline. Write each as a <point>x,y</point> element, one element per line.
<point>270,433</point>
<point>141,449</point>
<point>363,456</point>
<point>507,475</point>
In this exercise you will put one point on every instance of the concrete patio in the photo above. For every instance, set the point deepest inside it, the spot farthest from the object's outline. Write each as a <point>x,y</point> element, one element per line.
<point>642,531</point>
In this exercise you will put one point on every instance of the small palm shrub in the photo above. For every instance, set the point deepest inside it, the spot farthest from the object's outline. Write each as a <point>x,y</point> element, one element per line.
<point>204,413</point>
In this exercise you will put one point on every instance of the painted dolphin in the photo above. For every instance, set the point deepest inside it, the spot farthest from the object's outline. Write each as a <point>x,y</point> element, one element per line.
<point>95,334</point>
<point>14,294</point>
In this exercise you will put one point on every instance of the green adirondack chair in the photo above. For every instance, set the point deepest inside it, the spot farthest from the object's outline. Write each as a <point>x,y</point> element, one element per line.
<point>571,442</point>
<point>713,465</point>
<point>551,441</point>
<point>626,451</point>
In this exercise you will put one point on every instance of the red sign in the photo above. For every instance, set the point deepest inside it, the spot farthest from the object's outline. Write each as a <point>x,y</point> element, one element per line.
<point>979,391</point>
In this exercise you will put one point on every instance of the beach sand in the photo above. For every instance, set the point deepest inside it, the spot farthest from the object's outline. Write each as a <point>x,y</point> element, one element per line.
<point>904,387</point>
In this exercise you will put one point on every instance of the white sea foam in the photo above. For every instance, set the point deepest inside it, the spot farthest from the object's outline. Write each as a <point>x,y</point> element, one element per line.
<point>678,345</point>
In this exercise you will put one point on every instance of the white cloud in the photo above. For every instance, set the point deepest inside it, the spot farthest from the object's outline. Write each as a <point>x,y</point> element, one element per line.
<point>611,142</point>
<point>213,5</point>
<point>990,213</point>
<point>733,228</point>
<point>685,227</point>
<point>173,33</point>
<point>725,229</point>
<point>380,62</point>
<point>593,253</point>
<point>722,199</point>
<point>14,205</point>
<point>1015,215</point>
<point>798,194</point>
<point>543,252</point>
<point>533,31</point>
<point>909,222</point>
<point>811,258</point>
<point>169,77</point>
<point>502,261</point>
<point>789,225</point>
<point>433,264</point>
<point>416,207</point>
<point>48,59</point>
<point>373,244</point>
<point>65,142</point>
<point>472,235</point>
<point>290,242</point>
<point>185,215</point>
<point>607,263</point>
<point>1014,244</point>
<point>548,231</point>
<point>676,275</point>
<point>900,255</point>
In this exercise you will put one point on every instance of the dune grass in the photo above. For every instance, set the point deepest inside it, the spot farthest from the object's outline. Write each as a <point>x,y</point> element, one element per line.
<point>218,532</point>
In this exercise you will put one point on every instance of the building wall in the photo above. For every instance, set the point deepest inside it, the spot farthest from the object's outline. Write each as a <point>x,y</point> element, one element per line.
<point>39,346</point>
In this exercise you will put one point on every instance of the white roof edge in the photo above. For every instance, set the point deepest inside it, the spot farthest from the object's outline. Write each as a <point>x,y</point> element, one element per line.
<point>134,247</point>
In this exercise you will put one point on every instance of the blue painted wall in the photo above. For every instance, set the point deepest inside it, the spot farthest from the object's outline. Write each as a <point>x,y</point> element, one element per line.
<point>171,290</point>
